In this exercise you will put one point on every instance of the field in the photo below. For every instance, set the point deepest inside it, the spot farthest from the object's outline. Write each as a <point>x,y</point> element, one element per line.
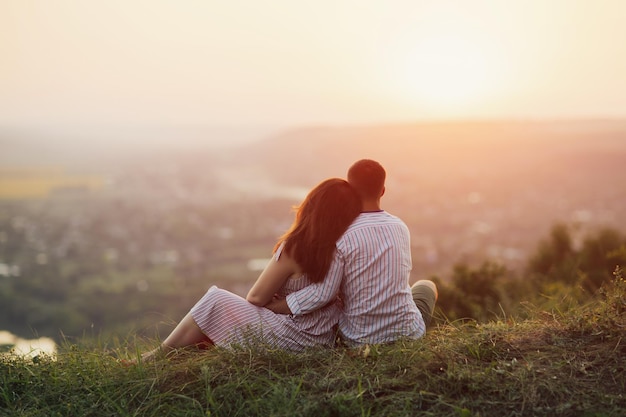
<point>19,184</point>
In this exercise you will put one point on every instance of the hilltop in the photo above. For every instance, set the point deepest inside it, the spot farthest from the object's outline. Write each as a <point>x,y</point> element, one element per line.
<point>554,364</point>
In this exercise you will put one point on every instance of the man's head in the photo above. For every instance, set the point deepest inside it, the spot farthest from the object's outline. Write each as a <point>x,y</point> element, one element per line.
<point>368,179</point>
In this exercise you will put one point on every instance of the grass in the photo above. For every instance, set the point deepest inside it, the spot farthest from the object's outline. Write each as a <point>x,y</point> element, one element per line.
<point>570,363</point>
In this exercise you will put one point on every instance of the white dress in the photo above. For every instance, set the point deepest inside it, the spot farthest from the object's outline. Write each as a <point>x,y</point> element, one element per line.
<point>228,319</point>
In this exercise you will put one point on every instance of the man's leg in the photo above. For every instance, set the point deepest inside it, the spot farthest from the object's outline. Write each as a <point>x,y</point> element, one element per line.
<point>425,296</point>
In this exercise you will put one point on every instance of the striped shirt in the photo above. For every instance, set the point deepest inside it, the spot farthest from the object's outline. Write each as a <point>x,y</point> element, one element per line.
<point>370,272</point>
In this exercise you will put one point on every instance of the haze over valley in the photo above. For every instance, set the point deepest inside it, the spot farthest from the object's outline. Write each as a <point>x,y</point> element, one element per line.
<point>468,190</point>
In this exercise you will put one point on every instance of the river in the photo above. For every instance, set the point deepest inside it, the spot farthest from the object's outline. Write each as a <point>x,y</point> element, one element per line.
<point>14,345</point>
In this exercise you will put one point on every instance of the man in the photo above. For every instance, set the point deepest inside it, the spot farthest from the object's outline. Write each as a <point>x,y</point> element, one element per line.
<point>370,273</point>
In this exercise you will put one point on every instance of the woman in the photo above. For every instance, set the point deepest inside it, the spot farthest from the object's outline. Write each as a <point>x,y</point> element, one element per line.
<point>301,256</point>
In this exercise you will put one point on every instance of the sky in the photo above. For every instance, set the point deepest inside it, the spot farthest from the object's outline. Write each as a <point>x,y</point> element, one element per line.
<point>289,63</point>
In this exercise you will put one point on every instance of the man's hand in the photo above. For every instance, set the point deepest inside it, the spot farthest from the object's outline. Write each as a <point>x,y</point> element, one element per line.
<point>278,306</point>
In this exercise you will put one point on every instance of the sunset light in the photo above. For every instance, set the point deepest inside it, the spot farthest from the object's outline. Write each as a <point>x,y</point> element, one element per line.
<point>448,74</point>
<point>268,204</point>
<point>217,63</point>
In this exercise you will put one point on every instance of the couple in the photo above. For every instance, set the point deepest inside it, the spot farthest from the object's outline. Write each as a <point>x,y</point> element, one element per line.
<point>344,264</point>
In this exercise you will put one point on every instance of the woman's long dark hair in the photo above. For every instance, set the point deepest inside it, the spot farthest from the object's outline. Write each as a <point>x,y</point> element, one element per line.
<point>321,219</point>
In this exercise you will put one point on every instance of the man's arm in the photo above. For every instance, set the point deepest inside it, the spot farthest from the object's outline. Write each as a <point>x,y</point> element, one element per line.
<point>317,295</point>
<point>278,306</point>
<point>314,296</point>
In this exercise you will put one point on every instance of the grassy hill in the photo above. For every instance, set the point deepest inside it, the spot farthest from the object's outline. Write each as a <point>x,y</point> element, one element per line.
<point>569,362</point>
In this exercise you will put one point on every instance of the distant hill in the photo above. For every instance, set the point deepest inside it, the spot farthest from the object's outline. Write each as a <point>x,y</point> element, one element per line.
<point>438,150</point>
<point>468,190</point>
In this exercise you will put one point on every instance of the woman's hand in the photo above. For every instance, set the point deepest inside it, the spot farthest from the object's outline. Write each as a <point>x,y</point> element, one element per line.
<point>278,305</point>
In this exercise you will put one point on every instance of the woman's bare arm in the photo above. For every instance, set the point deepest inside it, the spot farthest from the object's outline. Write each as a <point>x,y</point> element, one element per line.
<point>271,280</point>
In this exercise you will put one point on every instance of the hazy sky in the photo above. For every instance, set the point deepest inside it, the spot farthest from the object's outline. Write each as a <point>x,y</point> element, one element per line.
<point>292,62</point>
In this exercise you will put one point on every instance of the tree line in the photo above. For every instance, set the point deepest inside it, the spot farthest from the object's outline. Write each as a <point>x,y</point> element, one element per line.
<point>558,274</point>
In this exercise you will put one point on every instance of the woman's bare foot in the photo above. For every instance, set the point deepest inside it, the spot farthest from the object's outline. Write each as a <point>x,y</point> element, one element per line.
<point>145,357</point>
<point>151,355</point>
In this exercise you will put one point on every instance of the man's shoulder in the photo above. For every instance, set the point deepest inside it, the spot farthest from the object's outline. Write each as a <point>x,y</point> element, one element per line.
<point>375,219</point>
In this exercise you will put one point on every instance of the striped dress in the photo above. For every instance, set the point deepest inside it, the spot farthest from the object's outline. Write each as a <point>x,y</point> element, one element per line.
<point>370,272</point>
<point>228,319</point>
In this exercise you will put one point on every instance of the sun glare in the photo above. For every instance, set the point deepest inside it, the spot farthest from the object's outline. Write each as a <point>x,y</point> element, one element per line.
<point>446,74</point>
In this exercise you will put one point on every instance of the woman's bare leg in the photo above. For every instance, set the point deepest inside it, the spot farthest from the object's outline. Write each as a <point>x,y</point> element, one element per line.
<point>186,333</point>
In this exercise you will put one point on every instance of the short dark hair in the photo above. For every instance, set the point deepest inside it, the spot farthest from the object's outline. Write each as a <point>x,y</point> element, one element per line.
<point>368,178</point>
